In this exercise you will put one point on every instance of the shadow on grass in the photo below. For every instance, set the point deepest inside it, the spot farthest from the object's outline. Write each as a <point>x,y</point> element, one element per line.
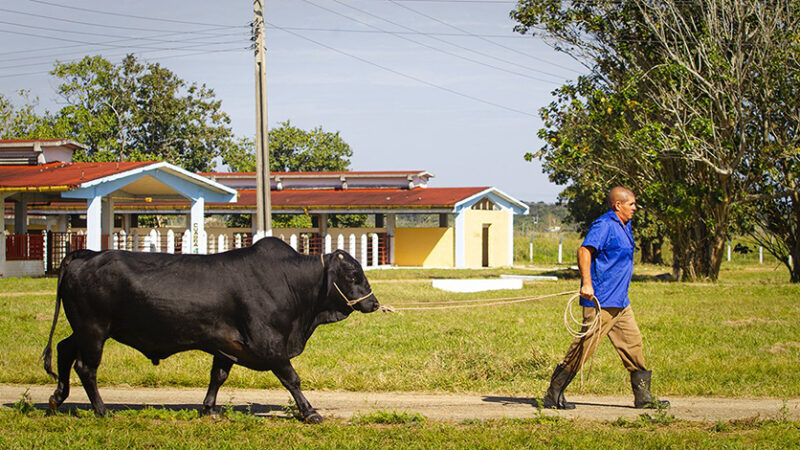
<point>255,409</point>
<point>571,274</point>
<point>535,402</point>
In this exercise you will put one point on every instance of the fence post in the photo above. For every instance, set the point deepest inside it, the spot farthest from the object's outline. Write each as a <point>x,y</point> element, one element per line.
<point>123,245</point>
<point>44,248</point>
<point>115,241</point>
<point>729,250</point>
<point>293,241</point>
<point>531,249</point>
<point>170,241</point>
<point>352,245</point>
<point>760,254</point>
<point>340,242</point>
<point>186,242</point>
<point>221,247</point>
<point>374,249</point>
<point>560,249</point>
<point>327,243</point>
<point>364,249</point>
<point>154,244</point>
<point>238,240</point>
<point>135,243</point>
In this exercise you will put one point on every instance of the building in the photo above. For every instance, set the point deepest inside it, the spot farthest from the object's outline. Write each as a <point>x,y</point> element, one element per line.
<point>39,180</point>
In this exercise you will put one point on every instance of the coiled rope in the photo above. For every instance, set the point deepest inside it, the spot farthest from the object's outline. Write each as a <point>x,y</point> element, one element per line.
<point>586,328</point>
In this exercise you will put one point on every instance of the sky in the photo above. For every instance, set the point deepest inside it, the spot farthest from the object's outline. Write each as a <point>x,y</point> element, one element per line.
<point>439,85</point>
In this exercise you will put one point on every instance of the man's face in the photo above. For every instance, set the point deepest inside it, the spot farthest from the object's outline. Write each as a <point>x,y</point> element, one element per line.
<point>626,208</point>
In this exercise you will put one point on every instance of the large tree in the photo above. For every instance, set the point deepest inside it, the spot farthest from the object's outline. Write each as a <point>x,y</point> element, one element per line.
<point>293,149</point>
<point>667,107</point>
<point>140,111</point>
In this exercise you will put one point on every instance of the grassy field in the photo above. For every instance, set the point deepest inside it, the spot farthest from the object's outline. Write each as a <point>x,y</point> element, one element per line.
<point>735,338</point>
<point>26,428</point>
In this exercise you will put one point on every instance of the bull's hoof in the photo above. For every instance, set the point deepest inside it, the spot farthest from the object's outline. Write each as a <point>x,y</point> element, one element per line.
<point>209,412</point>
<point>53,404</point>
<point>313,417</point>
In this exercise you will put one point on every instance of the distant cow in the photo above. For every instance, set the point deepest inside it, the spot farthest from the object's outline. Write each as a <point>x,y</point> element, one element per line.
<point>255,306</point>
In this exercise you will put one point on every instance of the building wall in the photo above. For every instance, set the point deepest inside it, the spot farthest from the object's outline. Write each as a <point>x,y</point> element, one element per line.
<point>424,247</point>
<point>498,222</point>
<point>15,269</point>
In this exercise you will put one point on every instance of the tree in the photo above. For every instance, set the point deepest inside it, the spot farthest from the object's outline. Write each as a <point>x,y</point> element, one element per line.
<point>140,111</point>
<point>294,150</point>
<point>667,108</point>
<point>22,122</point>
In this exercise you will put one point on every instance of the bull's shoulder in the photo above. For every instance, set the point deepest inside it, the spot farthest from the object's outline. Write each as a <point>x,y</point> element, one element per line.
<point>275,247</point>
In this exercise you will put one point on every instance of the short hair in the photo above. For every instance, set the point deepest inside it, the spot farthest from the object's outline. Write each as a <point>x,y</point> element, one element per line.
<point>618,194</point>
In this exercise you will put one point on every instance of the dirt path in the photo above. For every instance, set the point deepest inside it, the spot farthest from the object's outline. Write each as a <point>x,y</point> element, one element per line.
<point>433,406</point>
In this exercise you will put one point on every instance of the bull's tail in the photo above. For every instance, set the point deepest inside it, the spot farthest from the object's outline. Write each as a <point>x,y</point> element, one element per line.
<point>47,354</point>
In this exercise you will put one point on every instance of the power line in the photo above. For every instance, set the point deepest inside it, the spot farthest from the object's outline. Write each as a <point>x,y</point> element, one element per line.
<point>95,43</point>
<point>207,31</point>
<point>63,54</point>
<point>410,77</point>
<point>78,22</point>
<point>481,38</point>
<point>205,52</point>
<point>108,13</point>
<point>422,44</point>
<point>131,38</point>
<point>419,33</point>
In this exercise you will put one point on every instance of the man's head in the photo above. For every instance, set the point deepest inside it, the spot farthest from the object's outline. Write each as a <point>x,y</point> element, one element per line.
<point>622,201</point>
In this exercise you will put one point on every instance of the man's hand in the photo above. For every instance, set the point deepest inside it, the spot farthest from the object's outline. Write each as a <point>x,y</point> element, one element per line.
<point>584,266</point>
<point>587,291</point>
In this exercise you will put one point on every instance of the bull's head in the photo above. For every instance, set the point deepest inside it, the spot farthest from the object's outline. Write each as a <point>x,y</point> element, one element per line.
<point>347,285</point>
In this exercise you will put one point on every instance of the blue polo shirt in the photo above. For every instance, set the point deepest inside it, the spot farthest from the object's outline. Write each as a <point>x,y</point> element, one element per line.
<point>612,262</point>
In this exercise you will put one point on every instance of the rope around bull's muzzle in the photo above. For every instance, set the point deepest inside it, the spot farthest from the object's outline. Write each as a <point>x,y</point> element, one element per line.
<point>349,302</point>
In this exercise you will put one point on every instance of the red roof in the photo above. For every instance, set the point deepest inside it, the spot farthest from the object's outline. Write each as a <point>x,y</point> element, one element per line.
<point>361,198</point>
<point>60,174</point>
<point>283,174</point>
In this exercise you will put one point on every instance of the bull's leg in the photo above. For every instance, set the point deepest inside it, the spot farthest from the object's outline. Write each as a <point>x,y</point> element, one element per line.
<point>66,357</point>
<point>220,369</point>
<point>288,377</point>
<point>86,366</point>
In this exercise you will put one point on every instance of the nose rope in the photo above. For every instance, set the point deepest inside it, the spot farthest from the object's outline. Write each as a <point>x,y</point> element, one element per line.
<point>349,302</point>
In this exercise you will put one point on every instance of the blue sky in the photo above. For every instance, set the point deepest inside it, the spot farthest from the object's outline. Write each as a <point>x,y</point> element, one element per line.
<point>437,85</point>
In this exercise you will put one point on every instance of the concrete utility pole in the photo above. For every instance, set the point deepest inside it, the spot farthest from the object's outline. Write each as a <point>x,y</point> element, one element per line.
<point>263,205</point>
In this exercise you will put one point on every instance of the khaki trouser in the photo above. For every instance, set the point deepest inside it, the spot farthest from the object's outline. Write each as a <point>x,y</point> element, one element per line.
<point>620,326</point>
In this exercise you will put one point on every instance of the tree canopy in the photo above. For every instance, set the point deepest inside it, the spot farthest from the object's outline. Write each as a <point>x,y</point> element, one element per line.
<point>294,150</point>
<point>679,105</point>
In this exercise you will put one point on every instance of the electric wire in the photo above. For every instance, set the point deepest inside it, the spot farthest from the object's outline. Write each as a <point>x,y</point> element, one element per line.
<point>405,75</point>
<point>157,19</point>
<point>536,58</point>
<point>422,44</point>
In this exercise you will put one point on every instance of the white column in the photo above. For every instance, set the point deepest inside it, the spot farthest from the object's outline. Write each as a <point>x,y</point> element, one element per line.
<point>2,235</point>
<point>94,223</point>
<point>390,226</point>
<point>460,237</point>
<point>510,237</point>
<point>107,225</point>
<point>197,225</point>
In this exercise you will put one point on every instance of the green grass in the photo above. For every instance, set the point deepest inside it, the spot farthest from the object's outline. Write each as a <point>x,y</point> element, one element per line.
<point>735,338</point>
<point>165,428</point>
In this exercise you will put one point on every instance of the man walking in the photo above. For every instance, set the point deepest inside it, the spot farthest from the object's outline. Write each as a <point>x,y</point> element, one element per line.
<point>605,262</point>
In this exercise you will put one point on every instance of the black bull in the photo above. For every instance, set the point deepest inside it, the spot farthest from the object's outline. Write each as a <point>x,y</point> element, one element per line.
<point>255,306</point>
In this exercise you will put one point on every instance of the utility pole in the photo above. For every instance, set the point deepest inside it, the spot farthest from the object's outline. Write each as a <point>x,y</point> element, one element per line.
<point>263,205</point>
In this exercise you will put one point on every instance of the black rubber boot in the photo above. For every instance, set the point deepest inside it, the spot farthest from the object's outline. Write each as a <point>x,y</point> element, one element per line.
<point>554,398</point>
<point>640,383</point>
